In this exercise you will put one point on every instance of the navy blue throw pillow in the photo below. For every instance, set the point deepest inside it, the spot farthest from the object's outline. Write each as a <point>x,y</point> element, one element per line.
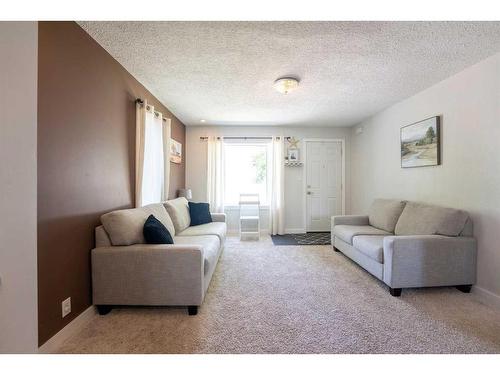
<point>200,213</point>
<point>155,232</point>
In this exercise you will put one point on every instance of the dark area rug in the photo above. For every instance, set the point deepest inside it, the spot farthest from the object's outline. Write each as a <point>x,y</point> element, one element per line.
<point>309,238</point>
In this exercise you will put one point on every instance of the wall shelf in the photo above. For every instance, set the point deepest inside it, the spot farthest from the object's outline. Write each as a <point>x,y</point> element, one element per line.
<point>293,164</point>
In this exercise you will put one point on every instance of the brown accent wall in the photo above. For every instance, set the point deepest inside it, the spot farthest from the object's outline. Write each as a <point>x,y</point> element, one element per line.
<point>86,161</point>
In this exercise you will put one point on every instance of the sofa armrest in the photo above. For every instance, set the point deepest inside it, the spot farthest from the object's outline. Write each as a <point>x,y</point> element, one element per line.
<point>219,217</point>
<point>350,220</point>
<point>148,275</point>
<point>429,260</point>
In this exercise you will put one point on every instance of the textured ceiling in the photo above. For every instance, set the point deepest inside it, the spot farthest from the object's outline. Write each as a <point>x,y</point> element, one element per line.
<point>223,71</point>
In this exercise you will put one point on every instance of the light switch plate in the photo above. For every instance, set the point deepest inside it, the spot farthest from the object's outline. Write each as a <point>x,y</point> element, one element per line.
<point>66,306</point>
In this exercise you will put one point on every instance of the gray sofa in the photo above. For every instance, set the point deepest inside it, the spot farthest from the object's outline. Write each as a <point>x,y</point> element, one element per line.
<point>126,271</point>
<point>410,244</point>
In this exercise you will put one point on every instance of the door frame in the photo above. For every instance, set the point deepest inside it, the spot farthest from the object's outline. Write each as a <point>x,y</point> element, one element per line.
<point>304,173</point>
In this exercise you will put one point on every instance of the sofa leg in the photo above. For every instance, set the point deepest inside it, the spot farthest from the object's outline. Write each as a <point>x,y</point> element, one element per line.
<point>336,250</point>
<point>395,292</point>
<point>104,309</point>
<point>464,288</point>
<point>192,310</point>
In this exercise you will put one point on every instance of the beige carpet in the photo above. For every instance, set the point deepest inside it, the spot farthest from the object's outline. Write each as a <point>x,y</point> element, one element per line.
<point>298,299</point>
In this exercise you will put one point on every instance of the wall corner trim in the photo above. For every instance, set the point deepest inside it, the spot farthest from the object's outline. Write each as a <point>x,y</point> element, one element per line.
<point>56,341</point>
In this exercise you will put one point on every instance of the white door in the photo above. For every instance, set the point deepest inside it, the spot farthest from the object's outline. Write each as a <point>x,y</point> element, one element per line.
<point>323,183</point>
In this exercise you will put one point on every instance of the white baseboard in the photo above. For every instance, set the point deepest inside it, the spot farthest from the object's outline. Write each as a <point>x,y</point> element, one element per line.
<point>55,342</point>
<point>295,230</point>
<point>233,233</point>
<point>486,297</point>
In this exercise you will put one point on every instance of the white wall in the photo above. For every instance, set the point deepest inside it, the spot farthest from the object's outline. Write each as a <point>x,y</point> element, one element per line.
<point>469,177</point>
<point>196,166</point>
<point>18,143</point>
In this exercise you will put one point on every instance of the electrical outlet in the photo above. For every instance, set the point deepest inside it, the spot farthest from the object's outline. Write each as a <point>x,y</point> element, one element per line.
<point>66,306</point>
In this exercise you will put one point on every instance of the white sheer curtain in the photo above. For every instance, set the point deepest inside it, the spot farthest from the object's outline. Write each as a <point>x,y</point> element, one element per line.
<point>277,210</point>
<point>215,174</point>
<point>166,154</point>
<point>152,150</point>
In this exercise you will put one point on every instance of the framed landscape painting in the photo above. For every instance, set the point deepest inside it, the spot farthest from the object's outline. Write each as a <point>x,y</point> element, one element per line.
<point>421,143</point>
<point>175,151</point>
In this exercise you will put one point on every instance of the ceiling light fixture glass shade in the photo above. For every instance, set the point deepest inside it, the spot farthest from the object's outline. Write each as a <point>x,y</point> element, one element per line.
<point>286,84</point>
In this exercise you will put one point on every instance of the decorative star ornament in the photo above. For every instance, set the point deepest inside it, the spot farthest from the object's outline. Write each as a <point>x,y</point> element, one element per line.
<point>293,143</point>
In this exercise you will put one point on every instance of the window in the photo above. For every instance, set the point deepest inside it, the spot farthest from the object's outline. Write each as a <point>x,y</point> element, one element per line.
<point>246,170</point>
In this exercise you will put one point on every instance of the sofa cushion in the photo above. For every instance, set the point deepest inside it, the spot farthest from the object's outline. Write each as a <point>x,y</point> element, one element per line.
<point>384,213</point>
<point>102,237</point>
<point>215,228</point>
<point>347,232</point>
<point>178,209</point>
<point>124,227</point>
<point>371,246</point>
<point>211,246</point>
<point>420,218</point>
<point>155,232</point>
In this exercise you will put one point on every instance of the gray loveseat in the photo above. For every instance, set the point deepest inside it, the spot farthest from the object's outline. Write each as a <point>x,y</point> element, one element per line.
<point>410,244</point>
<point>126,271</point>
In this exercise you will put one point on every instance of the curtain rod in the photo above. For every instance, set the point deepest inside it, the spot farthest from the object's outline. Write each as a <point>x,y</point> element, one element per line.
<point>141,102</point>
<point>245,138</point>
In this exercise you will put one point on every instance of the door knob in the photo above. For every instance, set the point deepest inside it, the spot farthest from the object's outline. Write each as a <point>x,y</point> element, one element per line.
<point>309,193</point>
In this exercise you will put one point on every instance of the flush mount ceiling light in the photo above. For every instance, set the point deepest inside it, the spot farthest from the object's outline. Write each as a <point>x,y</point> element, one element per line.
<point>202,120</point>
<point>286,84</point>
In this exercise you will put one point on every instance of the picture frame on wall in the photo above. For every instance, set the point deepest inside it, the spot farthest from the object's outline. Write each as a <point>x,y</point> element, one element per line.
<point>175,151</point>
<point>293,155</point>
<point>421,143</point>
